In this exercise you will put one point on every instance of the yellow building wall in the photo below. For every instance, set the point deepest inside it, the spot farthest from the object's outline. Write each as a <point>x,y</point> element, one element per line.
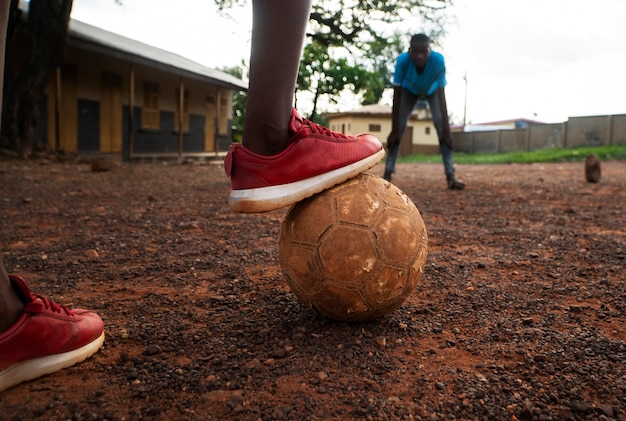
<point>424,133</point>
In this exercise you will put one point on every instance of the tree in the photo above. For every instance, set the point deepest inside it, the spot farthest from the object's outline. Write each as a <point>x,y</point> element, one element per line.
<point>351,22</point>
<point>353,44</point>
<point>48,22</point>
<point>321,74</point>
<point>379,57</point>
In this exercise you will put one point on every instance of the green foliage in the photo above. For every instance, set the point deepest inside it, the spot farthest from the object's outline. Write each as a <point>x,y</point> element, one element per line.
<point>379,57</point>
<point>322,74</point>
<point>360,39</point>
<point>350,22</point>
<point>352,45</point>
<point>605,153</point>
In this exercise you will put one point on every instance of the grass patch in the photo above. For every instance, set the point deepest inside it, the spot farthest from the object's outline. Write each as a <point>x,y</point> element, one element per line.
<point>606,153</point>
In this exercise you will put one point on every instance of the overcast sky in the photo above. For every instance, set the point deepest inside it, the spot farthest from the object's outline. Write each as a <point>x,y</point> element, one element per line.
<point>540,59</point>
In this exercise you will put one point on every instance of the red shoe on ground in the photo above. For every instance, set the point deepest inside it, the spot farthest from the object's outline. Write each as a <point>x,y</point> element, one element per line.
<point>315,159</point>
<point>46,338</point>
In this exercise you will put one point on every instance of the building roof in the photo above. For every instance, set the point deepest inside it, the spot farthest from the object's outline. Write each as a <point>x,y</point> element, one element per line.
<point>85,36</point>
<point>373,110</point>
<point>365,110</point>
<point>511,121</point>
<point>514,123</point>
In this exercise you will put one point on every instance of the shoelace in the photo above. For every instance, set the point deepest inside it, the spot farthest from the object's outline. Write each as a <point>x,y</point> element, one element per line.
<point>321,129</point>
<point>49,304</point>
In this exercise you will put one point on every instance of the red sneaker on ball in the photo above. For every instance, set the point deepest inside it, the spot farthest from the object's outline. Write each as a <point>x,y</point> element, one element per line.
<point>46,338</point>
<point>315,159</point>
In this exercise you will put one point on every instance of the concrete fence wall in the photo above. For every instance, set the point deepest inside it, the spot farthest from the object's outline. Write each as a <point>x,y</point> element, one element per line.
<point>577,131</point>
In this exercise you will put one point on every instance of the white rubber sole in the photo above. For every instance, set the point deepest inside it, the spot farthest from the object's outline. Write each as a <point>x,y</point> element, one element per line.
<point>32,369</point>
<point>266,199</point>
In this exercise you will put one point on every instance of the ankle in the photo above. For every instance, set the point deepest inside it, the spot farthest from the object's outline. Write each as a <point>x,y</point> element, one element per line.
<point>264,135</point>
<point>11,305</point>
<point>267,143</point>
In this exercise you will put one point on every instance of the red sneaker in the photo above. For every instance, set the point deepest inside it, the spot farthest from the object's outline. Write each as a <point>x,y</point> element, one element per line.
<point>315,159</point>
<point>46,338</point>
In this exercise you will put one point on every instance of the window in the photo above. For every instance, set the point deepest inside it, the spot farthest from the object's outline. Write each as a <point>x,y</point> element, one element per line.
<point>185,110</point>
<point>150,108</point>
<point>427,130</point>
<point>374,128</point>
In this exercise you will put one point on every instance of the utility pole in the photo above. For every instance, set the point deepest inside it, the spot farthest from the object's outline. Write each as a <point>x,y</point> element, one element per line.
<point>465,101</point>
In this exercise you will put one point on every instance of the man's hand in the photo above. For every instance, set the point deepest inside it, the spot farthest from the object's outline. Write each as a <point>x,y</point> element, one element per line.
<point>393,139</point>
<point>448,140</point>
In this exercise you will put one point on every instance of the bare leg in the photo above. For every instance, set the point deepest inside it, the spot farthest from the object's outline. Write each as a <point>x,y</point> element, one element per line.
<point>4,21</point>
<point>278,32</point>
<point>11,305</point>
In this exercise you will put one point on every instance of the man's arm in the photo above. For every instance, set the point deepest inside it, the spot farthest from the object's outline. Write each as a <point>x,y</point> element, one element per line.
<point>446,135</point>
<point>394,136</point>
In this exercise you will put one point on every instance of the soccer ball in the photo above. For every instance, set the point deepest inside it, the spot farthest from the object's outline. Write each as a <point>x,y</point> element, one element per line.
<point>354,252</point>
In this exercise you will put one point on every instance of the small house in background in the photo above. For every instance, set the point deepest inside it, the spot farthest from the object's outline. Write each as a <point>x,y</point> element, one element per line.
<point>419,137</point>
<point>117,96</point>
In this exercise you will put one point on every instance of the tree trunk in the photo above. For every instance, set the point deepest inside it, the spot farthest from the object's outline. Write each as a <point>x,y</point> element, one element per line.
<point>315,99</point>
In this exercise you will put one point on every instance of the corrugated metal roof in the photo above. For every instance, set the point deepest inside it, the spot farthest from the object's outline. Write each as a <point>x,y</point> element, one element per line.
<point>82,35</point>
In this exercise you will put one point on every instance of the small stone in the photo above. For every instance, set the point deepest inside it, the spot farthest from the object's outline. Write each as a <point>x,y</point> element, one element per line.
<point>91,253</point>
<point>101,165</point>
<point>606,410</point>
<point>254,364</point>
<point>153,349</point>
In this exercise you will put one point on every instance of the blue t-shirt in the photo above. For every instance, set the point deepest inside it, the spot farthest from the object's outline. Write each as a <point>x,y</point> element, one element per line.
<point>433,77</point>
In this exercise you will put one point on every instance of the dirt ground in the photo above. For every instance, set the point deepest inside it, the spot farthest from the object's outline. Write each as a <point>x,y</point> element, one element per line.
<point>520,314</point>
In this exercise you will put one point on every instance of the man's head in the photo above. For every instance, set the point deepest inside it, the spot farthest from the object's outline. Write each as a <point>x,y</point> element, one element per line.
<point>419,50</point>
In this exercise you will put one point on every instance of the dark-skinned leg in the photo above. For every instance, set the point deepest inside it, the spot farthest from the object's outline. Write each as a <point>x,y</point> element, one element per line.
<point>285,158</point>
<point>11,305</point>
<point>278,31</point>
<point>37,336</point>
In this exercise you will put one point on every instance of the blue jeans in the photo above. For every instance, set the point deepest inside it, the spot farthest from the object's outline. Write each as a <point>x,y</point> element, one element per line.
<point>407,104</point>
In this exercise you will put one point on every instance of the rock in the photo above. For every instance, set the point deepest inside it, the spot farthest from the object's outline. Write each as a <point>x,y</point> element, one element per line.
<point>153,349</point>
<point>101,165</point>
<point>593,170</point>
<point>91,253</point>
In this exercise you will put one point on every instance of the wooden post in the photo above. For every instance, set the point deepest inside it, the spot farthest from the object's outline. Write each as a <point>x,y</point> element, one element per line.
<point>181,101</point>
<point>57,110</point>
<point>4,21</point>
<point>215,123</point>
<point>131,106</point>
